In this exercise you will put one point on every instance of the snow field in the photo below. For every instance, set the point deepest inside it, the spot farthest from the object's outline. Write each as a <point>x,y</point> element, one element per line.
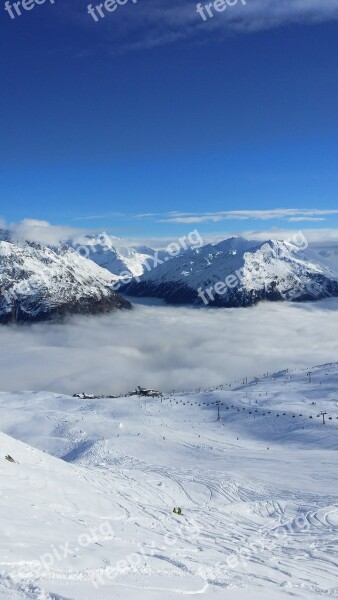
<point>86,511</point>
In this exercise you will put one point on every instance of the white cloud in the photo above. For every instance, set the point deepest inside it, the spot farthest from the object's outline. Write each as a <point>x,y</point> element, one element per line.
<point>305,219</point>
<point>47,233</point>
<point>154,23</point>
<point>290,214</point>
<point>324,235</point>
<point>167,347</point>
<point>319,236</point>
<point>33,230</point>
<point>264,14</point>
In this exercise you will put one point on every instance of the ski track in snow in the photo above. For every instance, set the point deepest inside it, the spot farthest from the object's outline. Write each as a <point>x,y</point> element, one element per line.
<point>258,491</point>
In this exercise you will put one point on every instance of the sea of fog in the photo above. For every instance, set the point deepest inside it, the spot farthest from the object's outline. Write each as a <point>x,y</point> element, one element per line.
<point>166,347</point>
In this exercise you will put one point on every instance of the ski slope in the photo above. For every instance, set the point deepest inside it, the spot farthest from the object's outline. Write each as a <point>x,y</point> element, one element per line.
<point>86,509</point>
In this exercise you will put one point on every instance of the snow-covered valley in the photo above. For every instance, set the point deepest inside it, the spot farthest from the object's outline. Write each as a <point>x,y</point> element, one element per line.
<point>89,485</point>
<point>95,483</point>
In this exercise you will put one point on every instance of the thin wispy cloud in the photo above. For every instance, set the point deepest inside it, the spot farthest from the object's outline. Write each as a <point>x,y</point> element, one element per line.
<point>305,219</point>
<point>152,23</point>
<point>291,215</point>
<point>167,25</point>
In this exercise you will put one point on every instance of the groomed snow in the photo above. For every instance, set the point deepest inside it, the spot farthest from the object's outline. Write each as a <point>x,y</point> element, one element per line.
<point>95,482</point>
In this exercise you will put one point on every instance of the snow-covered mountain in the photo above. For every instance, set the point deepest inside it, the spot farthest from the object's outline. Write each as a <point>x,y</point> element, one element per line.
<point>38,283</point>
<point>107,253</point>
<point>237,272</point>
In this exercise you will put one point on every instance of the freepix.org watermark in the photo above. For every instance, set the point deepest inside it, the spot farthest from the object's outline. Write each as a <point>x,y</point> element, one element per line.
<point>233,280</point>
<point>266,540</point>
<point>99,11</point>
<point>16,9</point>
<point>58,554</point>
<point>191,241</point>
<point>207,11</point>
<point>136,562</point>
<point>102,242</point>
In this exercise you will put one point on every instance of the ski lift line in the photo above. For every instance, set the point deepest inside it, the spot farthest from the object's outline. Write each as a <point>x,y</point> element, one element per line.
<point>331,368</point>
<point>259,413</point>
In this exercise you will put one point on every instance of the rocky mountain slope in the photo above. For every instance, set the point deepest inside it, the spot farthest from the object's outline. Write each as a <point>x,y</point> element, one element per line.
<point>38,283</point>
<point>238,272</point>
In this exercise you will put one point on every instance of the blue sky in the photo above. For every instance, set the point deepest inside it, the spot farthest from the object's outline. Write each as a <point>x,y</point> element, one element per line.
<point>153,112</point>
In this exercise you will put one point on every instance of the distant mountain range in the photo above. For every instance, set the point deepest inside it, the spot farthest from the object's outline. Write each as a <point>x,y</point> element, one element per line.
<point>39,282</point>
<point>238,272</point>
<point>104,251</point>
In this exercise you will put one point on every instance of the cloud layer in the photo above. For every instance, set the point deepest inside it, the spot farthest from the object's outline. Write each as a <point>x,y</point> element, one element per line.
<point>166,347</point>
<point>49,234</point>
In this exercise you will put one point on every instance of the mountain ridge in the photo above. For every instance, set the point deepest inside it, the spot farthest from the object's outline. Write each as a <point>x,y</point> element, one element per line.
<point>38,283</point>
<point>237,272</point>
